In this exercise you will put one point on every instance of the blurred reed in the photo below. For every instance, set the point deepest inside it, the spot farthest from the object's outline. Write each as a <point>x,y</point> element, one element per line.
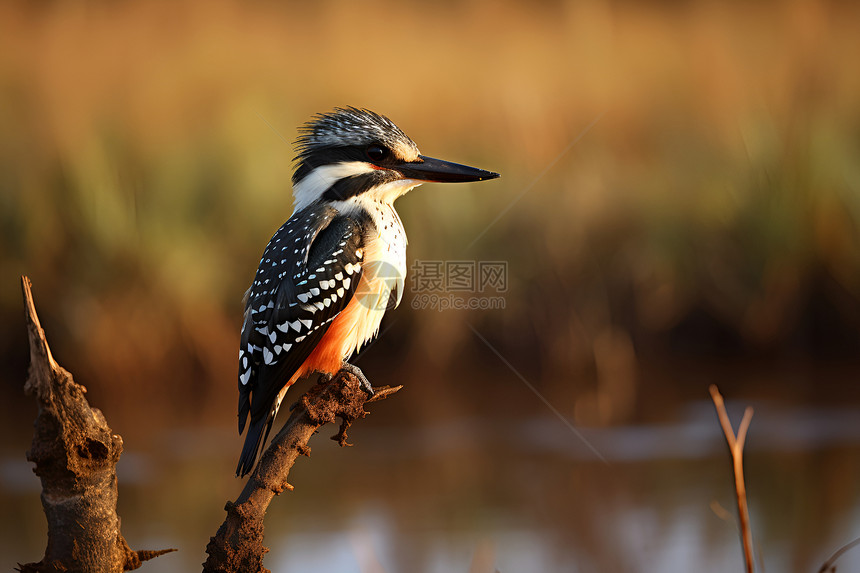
<point>715,204</point>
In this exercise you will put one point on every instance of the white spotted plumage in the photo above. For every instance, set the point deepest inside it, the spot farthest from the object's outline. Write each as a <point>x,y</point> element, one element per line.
<point>274,321</point>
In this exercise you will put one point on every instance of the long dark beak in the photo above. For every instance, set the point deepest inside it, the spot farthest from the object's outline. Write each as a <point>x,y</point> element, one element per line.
<point>429,169</point>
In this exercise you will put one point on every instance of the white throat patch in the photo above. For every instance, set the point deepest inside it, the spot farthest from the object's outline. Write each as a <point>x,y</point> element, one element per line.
<point>320,179</point>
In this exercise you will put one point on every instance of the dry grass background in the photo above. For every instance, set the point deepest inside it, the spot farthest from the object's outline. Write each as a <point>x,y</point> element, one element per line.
<point>140,177</point>
<point>710,215</point>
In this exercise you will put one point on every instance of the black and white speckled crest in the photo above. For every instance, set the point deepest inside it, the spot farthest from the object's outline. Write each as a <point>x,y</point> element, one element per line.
<point>350,126</point>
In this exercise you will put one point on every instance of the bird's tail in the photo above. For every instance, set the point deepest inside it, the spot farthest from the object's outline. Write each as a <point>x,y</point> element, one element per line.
<point>253,440</point>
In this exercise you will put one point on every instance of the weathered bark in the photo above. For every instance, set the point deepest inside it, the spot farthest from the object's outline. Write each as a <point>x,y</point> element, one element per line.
<point>238,545</point>
<point>75,454</point>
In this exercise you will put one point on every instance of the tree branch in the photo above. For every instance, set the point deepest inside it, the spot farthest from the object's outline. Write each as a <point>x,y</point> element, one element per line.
<point>736,448</point>
<point>830,565</point>
<point>238,547</point>
<point>75,453</point>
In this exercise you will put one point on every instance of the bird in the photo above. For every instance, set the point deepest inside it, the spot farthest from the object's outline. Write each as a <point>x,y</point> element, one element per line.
<point>328,275</point>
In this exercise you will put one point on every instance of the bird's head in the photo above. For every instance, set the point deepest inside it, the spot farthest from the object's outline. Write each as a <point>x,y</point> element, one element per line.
<point>356,154</point>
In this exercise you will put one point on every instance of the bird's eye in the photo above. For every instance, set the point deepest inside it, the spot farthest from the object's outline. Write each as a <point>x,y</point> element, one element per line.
<point>376,152</point>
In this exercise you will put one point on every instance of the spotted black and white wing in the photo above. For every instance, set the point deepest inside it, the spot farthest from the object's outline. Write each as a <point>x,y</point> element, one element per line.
<point>307,276</point>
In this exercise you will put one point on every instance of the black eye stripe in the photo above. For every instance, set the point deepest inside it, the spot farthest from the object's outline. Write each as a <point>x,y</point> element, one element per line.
<point>357,184</point>
<point>329,156</point>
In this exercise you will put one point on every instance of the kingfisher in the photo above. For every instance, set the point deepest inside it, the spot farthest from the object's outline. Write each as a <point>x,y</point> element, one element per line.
<point>329,274</point>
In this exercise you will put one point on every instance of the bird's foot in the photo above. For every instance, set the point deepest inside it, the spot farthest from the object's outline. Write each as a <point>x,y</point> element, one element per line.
<point>362,379</point>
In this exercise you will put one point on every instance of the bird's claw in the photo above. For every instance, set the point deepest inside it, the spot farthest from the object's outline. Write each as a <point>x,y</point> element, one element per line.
<point>362,379</point>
